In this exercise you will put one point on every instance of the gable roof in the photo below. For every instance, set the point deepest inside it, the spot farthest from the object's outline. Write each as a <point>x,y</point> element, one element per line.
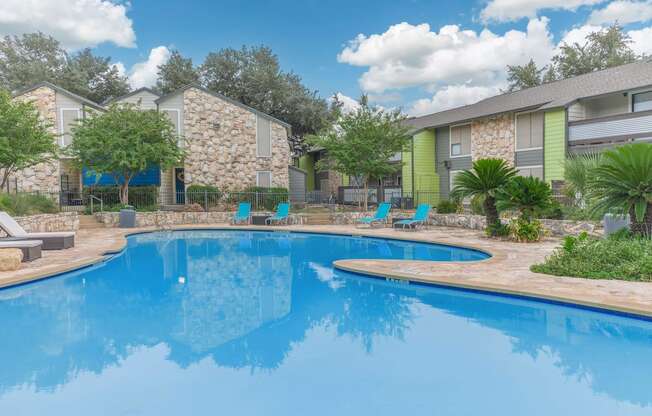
<point>59,90</point>
<point>129,94</point>
<point>551,95</point>
<point>225,98</point>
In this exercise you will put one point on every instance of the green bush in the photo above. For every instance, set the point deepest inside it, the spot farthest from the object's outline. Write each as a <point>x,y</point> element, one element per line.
<point>553,211</point>
<point>27,204</point>
<point>143,198</point>
<point>477,205</point>
<point>203,195</point>
<point>526,231</point>
<point>264,198</point>
<point>447,206</point>
<point>620,256</point>
<point>497,229</point>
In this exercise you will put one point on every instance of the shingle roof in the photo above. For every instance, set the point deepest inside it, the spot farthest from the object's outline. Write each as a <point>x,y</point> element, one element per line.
<point>551,95</point>
<point>61,90</point>
<point>225,98</point>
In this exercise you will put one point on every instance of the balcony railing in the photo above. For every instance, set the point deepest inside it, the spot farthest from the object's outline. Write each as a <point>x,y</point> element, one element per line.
<point>622,126</point>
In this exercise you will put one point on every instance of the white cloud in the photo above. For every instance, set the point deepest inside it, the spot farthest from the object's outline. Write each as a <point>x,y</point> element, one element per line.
<point>642,40</point>
<point>122,70</point>
<point>144,74</point>
<point>407,55</point>
<point>578,35</point>
<point>623,11</point>
<point>506,10</point>
<point>348,104</point>
<point>452,96</point>
<point>75,23</point>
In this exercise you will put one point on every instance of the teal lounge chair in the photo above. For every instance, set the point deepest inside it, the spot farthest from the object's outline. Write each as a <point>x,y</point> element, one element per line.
<point>282,214</point>
<point>243,215</point>
<point>420,218</point>
<point>379,218</point>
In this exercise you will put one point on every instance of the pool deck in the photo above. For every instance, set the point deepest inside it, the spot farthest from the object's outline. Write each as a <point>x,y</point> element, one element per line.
<point>506,272</point>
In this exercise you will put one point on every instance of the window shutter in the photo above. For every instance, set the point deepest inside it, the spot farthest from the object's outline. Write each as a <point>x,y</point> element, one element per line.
<point>264,179</point>
<point>263,137</point>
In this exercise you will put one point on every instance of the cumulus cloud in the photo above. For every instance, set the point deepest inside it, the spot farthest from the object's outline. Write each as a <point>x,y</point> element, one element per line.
<point>452,96</point>
<point>578,35</point>
<point>622,11</point>
<point>408,55</point>
<point>641,40</point>
<point>75,23</point>
<point>144,74</point>
<point>507,10</point>
<point>348,104</point>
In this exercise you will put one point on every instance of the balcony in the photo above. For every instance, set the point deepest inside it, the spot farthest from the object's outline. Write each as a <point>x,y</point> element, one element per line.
<point>620,127</point>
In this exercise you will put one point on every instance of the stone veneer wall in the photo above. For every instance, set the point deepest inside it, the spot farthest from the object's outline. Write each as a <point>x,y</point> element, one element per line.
<point>226,156</point>
<point>63,221</point>
<point>169,218</point>
<point>43,177</point>
<point>494,137</point>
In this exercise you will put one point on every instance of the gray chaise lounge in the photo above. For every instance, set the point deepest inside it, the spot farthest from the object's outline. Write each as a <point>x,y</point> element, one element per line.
<point>51,241</point>
<point>31,248</point>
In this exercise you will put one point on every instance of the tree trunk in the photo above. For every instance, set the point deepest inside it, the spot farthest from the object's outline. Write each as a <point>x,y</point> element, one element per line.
<point>490,210</point>
<point>642,228</point>
<point>124,190</point>
<point>366,194</point>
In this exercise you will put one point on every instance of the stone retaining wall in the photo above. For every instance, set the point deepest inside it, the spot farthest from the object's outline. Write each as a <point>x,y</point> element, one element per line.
<point>169,218</point>
<point>63,221</point>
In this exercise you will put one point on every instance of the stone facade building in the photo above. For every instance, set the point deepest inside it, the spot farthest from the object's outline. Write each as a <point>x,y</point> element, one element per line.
<point>229,145</point>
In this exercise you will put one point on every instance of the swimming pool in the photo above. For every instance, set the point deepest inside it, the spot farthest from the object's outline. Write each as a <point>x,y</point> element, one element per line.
<point>258,323</point>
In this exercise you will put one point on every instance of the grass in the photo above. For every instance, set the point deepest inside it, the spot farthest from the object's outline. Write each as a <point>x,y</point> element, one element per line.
<point>620,257</point>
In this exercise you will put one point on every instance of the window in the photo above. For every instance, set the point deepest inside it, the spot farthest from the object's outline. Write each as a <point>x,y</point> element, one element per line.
<point>175,117</point>
<point>264,179</point>
<point>642,101</point>
<point>534,171</point>
<point>263,137</point>
<point>69,117</point>
<point>529,131</point>
<point>460,140</point>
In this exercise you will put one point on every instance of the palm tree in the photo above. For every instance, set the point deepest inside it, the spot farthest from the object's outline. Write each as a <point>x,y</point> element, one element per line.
<point>577,171</point>
<point>623,181</point>
<point>484,179</point>
<point>528,195</point>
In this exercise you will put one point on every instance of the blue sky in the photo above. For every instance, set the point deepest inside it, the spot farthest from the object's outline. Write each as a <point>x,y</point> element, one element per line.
<point>420,55</point>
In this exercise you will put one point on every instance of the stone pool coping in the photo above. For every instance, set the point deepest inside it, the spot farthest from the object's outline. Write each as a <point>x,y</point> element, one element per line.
<point>506,272</point>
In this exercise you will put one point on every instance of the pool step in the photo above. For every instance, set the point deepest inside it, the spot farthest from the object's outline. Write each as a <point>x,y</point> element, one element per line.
<point>319,219</point>
<point>87,222</point>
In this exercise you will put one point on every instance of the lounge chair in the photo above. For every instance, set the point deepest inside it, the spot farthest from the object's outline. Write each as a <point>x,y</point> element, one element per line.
<point>243,215</point>
<point>31,248</point>
<point>281,216</point>
<point>51,241</point>
<point>380,217</point>
<point>419,219</point>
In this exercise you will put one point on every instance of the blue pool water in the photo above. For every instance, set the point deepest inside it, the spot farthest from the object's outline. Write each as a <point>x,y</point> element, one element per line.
<point>252,323</point>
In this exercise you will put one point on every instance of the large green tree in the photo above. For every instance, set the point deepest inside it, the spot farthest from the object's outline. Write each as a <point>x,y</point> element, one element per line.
<point>34,57</point>
<point>362,143</point>
<point>603,49</point>
<point>254,77</point>
<point>25,139</point>
<point>124,141</point>
<point>176,73</point>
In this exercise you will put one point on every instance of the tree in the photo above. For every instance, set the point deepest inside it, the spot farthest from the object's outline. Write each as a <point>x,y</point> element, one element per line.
<point>35,57</point>
<point>623,181</point>
<point>577,171</point>
<point>254,77</point>
<point>31,58</point>
<point>25,139</point>
<point>176,73</point>
<point>603,49</point>
<point>484,180</point>
<point>525,194</point>
<point>524,76</point>
<point>124,141</point>
<point>362,143</point>
<point>93,77</point>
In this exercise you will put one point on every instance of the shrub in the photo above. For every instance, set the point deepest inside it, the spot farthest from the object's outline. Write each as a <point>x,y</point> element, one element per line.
<point>554,211</point>
<point>477,205</point>
<point>620,256</point>
<point>143,198</point>
<point>27,204</point>
<point>497,229</point>
<point>447,206</point>
<point>265,198</point>
<point>203,195</point>
<point>526,231</point>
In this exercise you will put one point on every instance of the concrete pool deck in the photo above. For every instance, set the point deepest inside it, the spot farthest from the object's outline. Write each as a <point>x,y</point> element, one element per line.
<point>506,272</point>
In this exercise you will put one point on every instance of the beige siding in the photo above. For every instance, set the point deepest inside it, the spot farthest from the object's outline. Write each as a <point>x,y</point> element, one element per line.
<point>607,106</point>
<point>144,99</point>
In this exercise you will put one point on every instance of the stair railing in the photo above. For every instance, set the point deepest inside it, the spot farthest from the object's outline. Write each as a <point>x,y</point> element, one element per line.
<point>93,198</point>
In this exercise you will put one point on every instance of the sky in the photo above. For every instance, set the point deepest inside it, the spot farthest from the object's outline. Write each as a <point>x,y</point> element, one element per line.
<point>417,55</point>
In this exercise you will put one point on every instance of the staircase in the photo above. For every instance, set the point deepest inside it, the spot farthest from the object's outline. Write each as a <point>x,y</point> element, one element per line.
<point>319,218</point>
<point>87,222</point>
